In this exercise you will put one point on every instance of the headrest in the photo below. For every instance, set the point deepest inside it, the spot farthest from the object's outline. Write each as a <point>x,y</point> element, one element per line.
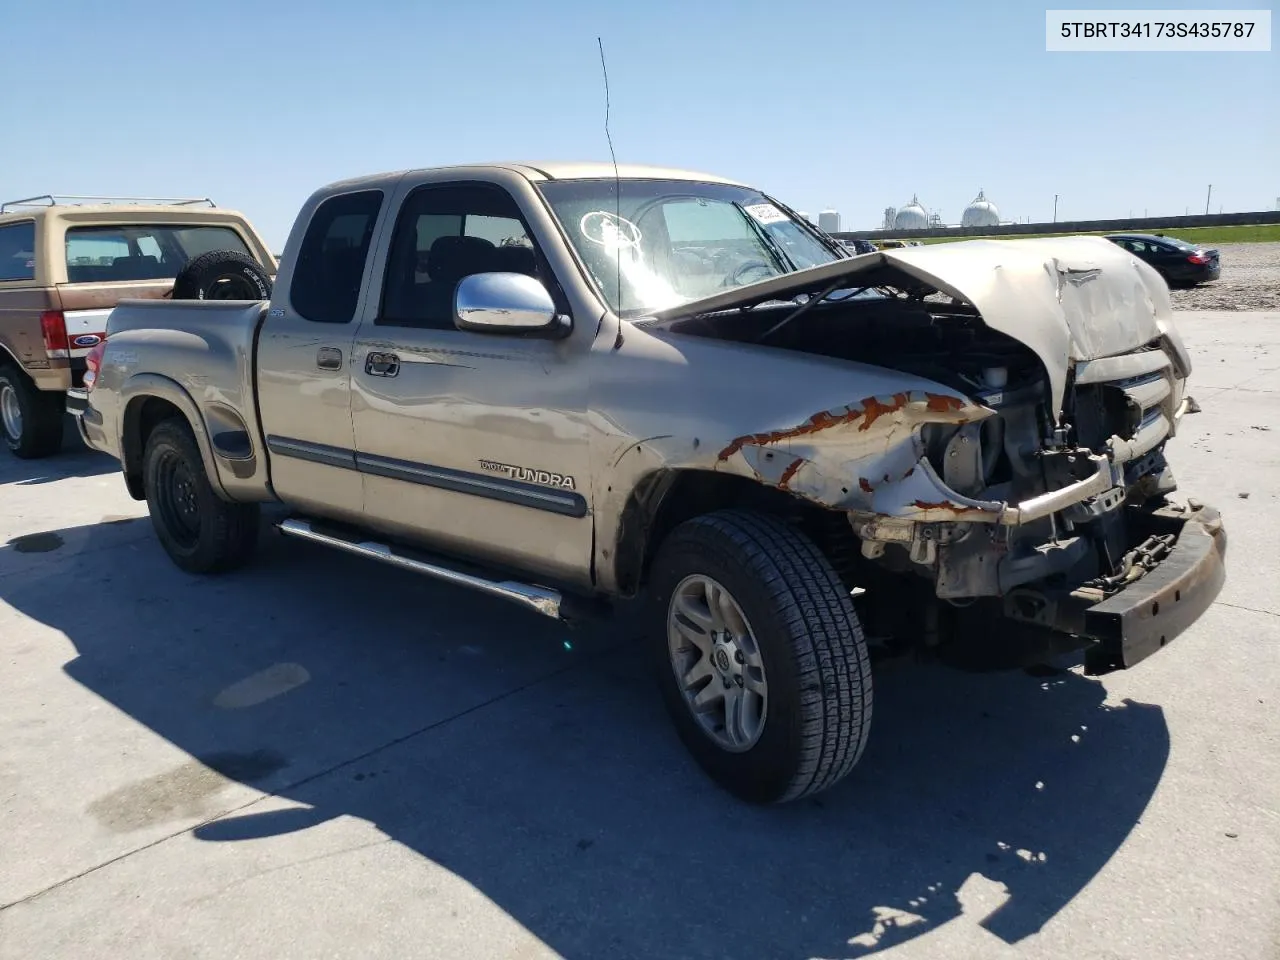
<point>453,258</point>
<point>515,259</point>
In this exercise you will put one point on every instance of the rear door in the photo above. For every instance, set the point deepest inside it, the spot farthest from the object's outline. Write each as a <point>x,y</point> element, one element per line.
<point>304,358</point>
<point>1169,260</point>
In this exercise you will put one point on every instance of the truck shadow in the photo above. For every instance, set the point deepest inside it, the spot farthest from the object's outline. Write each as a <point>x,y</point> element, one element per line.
<point>536,763</point>
<point>74,460</point>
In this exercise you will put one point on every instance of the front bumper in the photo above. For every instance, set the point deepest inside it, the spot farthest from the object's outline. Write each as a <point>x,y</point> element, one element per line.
<point>1143,617</point>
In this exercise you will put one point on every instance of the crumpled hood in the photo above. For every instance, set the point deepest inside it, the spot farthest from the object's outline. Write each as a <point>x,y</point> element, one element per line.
<point>1068,299</point>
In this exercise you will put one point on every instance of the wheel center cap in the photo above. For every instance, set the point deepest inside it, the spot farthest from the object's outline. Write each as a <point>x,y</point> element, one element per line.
<point>722,659</point>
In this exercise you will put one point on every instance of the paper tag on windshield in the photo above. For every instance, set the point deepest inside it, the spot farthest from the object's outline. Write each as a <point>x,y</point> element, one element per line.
<point>766,213</point>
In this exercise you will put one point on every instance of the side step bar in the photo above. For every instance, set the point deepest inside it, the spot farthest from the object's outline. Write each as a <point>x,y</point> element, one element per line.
<point>539,599</point>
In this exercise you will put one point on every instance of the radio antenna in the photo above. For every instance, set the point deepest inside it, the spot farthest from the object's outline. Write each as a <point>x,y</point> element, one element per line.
<point>617,180</point>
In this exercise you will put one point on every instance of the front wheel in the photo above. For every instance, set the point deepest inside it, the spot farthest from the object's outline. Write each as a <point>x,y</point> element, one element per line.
<point>761,659</point>
<point>201,532</point>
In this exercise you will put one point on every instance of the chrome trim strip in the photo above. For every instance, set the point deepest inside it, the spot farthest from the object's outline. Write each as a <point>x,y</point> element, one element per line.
<point>312,452</point>
<point>564,502</point>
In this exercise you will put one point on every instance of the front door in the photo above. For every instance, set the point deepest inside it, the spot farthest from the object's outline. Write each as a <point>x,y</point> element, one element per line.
<point>474,443</point>
<point>304,360</point>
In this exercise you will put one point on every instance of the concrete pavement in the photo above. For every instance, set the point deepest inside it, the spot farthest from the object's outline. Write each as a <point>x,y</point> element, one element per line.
<point>318,756</point>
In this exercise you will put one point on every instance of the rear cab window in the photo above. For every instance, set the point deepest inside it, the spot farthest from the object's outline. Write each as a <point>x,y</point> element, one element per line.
<point>329,268</point>
<point>18,251</point>
<point>105,254</point>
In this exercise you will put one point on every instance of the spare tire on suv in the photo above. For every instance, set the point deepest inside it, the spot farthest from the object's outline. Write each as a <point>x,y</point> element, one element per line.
<point>222,275</point>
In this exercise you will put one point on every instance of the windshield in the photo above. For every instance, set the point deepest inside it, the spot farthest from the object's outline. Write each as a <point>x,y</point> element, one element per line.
<point>667,242</point>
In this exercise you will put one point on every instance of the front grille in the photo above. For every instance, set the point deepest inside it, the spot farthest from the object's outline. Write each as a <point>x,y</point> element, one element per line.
<point>1134,409</point>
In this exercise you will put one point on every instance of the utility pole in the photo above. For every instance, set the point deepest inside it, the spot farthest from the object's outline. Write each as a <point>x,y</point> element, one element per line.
<point>1055,208</point>
<point>1206,200</point>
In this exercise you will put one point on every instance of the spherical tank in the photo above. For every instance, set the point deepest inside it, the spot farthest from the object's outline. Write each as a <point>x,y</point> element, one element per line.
<point>913,216</point>
<point>981,213</point>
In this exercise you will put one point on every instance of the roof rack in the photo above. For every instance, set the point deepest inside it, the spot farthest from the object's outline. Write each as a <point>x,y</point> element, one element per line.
<point>56,199</point>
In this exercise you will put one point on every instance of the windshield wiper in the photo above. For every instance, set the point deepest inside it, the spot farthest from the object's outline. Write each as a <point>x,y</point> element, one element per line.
<point>780,255</point>
<point>809,304</point>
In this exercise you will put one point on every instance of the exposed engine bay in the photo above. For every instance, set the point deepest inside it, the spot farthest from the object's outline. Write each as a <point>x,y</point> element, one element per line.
<point>945,342</point>
<point>975,535</point>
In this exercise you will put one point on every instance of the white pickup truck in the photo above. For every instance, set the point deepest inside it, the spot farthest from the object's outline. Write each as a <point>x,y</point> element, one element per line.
<point>565,384</point>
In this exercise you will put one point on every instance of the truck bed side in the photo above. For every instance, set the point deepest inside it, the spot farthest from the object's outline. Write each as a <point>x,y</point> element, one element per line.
<point>192,358</point>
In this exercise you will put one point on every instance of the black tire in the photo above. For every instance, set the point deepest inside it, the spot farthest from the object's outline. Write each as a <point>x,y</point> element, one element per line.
<point>201,532</point>
<point>222,275</point>
<point>41,415</point>
<point>818,709</point>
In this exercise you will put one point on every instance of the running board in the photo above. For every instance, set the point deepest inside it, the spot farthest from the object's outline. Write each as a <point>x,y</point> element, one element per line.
<point>539,599</point>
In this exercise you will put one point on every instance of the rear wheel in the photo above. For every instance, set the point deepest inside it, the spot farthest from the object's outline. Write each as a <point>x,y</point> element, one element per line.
<point>760,656</point>
<point>201,532</point>
<point>31,420</point>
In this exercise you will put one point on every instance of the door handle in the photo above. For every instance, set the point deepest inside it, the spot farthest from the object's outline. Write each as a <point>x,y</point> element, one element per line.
<point>382,364</point>
<point>329,358</point>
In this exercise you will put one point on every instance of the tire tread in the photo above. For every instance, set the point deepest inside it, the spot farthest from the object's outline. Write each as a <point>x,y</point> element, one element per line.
<point>43,416</point>
<point>233,527</point>
<point>822,630</point>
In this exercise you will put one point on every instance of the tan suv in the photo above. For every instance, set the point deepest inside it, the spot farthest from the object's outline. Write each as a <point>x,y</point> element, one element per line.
<point>64,263</point>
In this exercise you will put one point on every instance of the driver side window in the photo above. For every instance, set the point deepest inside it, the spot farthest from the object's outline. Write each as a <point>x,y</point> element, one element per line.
<point>446,233</point>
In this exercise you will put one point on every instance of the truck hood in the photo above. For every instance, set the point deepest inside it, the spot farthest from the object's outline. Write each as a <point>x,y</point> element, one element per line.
<point>1068,299</point>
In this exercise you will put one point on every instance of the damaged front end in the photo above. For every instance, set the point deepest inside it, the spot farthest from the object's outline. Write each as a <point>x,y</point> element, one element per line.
<point>1071,528</point>
<point>1038,479</point>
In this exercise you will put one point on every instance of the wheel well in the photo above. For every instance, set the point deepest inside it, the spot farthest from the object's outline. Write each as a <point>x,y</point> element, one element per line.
<point>141,416</point>
<point>666,499</point>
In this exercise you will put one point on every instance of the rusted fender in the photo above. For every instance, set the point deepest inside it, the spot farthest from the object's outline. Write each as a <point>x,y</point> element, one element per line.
<point>838,457</point>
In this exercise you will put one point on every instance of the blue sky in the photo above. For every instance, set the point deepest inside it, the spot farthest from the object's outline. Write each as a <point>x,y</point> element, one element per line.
<point>820,102</point>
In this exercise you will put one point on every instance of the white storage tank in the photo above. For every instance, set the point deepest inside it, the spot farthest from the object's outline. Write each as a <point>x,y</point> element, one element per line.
<point>913,216</point>
<point>980,213</point>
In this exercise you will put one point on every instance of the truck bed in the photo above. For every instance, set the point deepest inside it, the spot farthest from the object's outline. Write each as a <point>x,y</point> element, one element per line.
<point>208,349</point>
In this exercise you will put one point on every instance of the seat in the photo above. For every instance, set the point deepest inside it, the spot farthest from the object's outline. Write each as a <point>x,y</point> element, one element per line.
<point>136,268</point>
<point>448,261</point>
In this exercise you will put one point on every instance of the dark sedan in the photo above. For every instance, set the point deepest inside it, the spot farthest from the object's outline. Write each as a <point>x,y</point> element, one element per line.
<point>859,246</point>
<point>1179,262</point>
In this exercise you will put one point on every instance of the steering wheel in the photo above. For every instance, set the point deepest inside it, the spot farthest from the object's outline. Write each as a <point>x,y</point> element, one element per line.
<point>735,279</point>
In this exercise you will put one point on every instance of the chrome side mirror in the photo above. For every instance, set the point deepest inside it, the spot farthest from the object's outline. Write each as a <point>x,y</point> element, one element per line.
<point>510,303</point>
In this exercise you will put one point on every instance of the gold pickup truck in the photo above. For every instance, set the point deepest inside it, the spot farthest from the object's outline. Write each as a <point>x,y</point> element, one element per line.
<point>564,384</point>
<point>64,263</point>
